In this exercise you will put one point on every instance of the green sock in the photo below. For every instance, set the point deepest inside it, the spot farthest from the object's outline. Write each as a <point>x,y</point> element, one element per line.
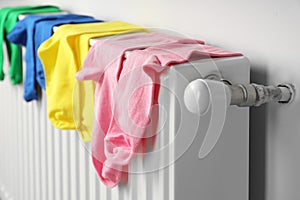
<point>8,19</point>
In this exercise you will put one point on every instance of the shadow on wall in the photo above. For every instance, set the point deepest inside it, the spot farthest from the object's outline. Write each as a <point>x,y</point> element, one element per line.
<point>257,168</point>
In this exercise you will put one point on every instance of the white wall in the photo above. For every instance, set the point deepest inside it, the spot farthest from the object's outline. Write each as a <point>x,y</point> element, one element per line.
<point>267,32</point>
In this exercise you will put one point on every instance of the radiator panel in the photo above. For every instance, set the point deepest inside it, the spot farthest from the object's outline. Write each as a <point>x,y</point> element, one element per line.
<point>38,161</point>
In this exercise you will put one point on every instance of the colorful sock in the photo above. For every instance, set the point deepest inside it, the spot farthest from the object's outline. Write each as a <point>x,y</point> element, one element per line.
<point>9,18</point>
<point>125,96</point>
<point>25,33</point>
<point>62,56</point>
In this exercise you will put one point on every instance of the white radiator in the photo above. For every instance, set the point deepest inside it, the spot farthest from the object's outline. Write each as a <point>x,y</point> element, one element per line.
<point>39,162</point>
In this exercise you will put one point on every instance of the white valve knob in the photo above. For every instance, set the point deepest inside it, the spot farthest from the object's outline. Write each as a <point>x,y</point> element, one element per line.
<point>197,95</point>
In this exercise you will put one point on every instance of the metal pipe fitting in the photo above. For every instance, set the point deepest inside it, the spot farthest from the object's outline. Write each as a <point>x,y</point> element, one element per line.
<point>244,95</point>
<point>199,94</point>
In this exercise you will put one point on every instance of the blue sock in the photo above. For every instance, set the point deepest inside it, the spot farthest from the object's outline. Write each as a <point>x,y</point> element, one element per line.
<point>27,34</point>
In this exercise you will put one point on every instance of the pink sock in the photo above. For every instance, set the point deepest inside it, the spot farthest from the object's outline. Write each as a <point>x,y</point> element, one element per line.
<point>125,95</point>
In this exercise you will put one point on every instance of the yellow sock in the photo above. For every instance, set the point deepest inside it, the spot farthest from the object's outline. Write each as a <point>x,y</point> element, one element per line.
<point>62,56</point>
